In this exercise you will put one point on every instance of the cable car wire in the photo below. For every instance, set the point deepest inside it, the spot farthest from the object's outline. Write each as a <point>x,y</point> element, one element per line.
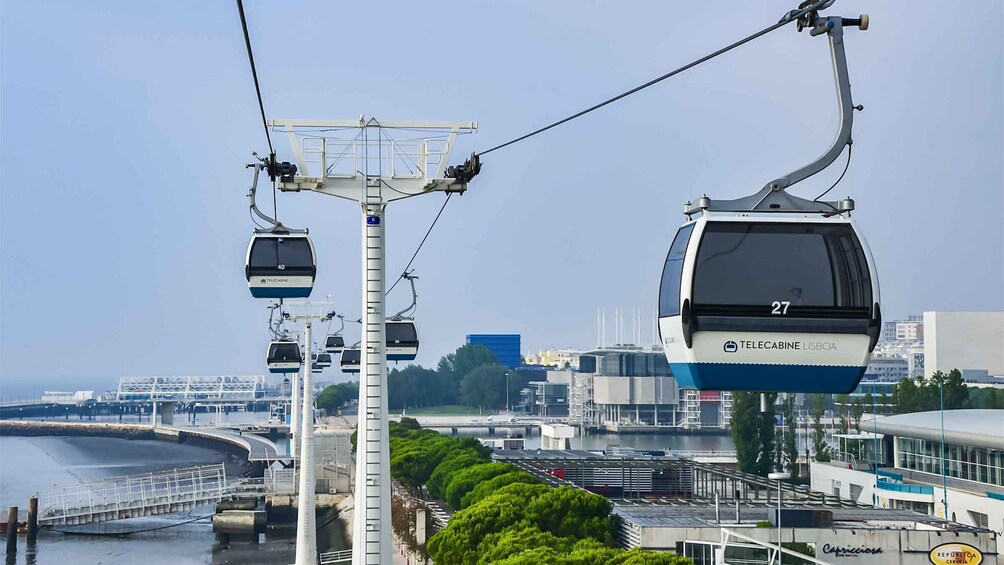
<point>261,104</point>
<point>403,273</point>
<point>850,147</point>
<point>790,17</point>
<point>254,74</point>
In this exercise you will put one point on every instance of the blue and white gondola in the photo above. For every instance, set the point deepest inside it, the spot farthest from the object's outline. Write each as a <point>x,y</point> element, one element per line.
<point>350,360</point>
<point>283,356</point>
<point>402,340</point>
<point>280,265</point>
<point>334,343</point>
<point>767,303</point>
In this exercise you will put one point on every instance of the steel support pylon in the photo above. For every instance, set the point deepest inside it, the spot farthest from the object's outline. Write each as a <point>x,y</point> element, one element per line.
<point>339,158</point>
<point>306,544</point>
<point>371,527</point>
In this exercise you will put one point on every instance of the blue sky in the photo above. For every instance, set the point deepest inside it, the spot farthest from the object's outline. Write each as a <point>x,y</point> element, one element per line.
<point>125,126</point>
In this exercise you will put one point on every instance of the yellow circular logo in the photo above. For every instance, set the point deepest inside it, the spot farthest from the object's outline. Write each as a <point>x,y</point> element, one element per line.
<point>956,554</point>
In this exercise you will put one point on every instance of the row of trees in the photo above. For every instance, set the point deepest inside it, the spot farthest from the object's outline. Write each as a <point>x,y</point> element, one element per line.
<point>759,450</point>
<point>505,515</point>
<point>471,376</point>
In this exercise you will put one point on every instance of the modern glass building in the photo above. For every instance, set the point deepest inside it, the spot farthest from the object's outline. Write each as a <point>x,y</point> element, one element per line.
<point>964,483</point>
<point>506,347</point>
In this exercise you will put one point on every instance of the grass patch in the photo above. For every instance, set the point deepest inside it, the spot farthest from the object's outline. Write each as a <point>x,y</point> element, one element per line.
<point>445,410</point>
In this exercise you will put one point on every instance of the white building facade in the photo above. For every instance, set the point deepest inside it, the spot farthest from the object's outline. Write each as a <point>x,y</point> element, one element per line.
<point>967,341</point>
<point>968,488</point>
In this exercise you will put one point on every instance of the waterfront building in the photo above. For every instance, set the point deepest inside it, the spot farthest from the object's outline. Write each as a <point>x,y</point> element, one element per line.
<point>910,475</point>
<point>629,388</point>
<point>557,358</point>
<point>506,347</point>
<point>887,367</point>
<point>548,397</point>
<point>967,341</point>
<point>910,329</point>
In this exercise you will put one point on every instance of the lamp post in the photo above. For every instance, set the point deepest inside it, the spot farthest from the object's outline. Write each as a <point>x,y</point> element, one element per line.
<point>779,476</point>
<point>944,480</point>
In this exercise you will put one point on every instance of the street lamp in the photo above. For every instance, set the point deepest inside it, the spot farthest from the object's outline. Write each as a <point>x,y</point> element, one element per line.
<point>779,476</point>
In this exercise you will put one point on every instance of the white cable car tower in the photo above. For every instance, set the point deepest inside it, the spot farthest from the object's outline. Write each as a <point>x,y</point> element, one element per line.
<point>360,160</point>
<point>307,313</point>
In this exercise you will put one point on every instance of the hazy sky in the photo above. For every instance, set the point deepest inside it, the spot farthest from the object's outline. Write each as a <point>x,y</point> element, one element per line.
<point>126,126</point>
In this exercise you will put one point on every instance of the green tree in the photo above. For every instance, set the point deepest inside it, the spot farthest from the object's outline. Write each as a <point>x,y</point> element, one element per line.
<point>765,432</point>
<point>857,411</point>
<point>465,359</point>
<point>484,386</point>
<point>459,457</point>
<point>820,449</point>
<point>335,396</point>
<point>906,396</point>
<point>486,488</point>
<point>743,429</point>
<point>567,511</point>
<point>519,539</point>
<point>955,389</point>
<point>464,480</point>
<point>790,444</point>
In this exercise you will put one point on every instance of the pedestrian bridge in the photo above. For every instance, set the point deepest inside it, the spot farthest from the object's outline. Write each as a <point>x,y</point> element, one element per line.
<point>148,494</point>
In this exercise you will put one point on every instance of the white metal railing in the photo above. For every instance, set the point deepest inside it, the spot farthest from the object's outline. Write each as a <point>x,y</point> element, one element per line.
<point>143,495</point>
<point>335,557</point>
<point>283,481</point>
<point>334,158</point>
<point>692,453</point>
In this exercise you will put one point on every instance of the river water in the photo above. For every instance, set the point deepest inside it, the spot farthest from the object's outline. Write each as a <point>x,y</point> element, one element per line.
<point>33,464</point>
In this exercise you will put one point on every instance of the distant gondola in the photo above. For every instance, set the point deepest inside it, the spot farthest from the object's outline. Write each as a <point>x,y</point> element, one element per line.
<point>334,344</point>
<point>402,340</point>
<point>284,356</point>
<point>323,360</point>
<point>351,358</point>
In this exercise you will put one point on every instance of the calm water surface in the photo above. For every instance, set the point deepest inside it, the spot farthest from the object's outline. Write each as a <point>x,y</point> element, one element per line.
<point>33,464</point>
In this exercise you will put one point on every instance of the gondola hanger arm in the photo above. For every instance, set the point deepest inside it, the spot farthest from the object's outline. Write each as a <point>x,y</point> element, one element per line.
<point>269,165</point>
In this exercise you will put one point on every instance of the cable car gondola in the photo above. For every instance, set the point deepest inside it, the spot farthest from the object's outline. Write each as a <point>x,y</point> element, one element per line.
<point>280,265</point>
<point>773,292</point>
<point>351,358</point>
<point>324,360</point>
<point>769,304</point>
<point>283,356</point>
<point>334,344</point>
<point>402,340</point>
<point>401,334</point>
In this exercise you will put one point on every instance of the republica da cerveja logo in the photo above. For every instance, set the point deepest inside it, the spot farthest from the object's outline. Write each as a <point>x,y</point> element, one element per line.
<point>956,554</point>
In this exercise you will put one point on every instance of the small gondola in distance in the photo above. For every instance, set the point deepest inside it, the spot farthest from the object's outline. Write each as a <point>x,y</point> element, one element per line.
<point>283,356</point>
<point>350,360</point>
<point>334,343</point>
<point>401,340</point>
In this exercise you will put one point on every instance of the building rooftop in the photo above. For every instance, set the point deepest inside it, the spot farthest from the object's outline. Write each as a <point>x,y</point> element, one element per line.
<point>979,428</point>
<point>700,514</point>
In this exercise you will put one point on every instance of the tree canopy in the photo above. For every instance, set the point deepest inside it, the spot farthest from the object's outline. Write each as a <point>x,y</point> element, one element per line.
<point>505,515</point>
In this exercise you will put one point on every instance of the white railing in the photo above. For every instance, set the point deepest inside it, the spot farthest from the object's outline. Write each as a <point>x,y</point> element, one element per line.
<point>335,557</point>
<point>149,494</point>
<point>772,549</point>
